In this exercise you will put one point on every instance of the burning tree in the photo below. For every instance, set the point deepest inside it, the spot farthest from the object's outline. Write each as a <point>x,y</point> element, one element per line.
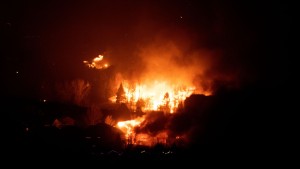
<point>140,104</point>
<point>165,107</point>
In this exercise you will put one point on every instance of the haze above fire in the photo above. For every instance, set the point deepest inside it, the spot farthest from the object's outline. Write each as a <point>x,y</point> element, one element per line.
<point>235,41</point>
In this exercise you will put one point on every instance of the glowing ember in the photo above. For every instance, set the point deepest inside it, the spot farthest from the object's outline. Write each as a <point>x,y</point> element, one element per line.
<point>97,63</point>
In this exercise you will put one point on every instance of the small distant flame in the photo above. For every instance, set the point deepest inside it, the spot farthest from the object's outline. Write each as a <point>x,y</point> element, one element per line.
<point>97,63</point>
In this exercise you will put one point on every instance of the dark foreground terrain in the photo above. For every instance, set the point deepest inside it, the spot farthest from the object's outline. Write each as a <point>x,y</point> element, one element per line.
<point>238,126</point>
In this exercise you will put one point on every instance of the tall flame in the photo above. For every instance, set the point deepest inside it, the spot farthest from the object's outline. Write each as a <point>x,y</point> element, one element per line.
<point>157,95</point>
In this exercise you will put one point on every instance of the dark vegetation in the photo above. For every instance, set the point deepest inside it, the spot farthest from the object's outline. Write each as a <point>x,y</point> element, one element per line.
<point>230,124</point>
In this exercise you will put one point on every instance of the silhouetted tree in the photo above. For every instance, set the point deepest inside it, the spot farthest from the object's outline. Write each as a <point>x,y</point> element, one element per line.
<point>75,91</point>
<point>140,104</point>
<point>166,103</point>
<point>121,94</point>
<point>167,99</point>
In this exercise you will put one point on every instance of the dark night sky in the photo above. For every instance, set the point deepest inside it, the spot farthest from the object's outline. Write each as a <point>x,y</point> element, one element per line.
<point>44,41</point>
<point>218,43</point>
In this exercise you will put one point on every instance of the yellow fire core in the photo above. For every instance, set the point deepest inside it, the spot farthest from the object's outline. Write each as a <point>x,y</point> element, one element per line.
<point>157,96</point>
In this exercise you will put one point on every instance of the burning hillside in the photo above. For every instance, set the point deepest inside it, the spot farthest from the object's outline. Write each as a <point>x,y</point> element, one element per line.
<point>167,80</point>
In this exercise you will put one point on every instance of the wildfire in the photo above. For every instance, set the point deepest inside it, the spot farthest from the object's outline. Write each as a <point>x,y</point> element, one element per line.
<point>97,63</point>
<point>158,90</point>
